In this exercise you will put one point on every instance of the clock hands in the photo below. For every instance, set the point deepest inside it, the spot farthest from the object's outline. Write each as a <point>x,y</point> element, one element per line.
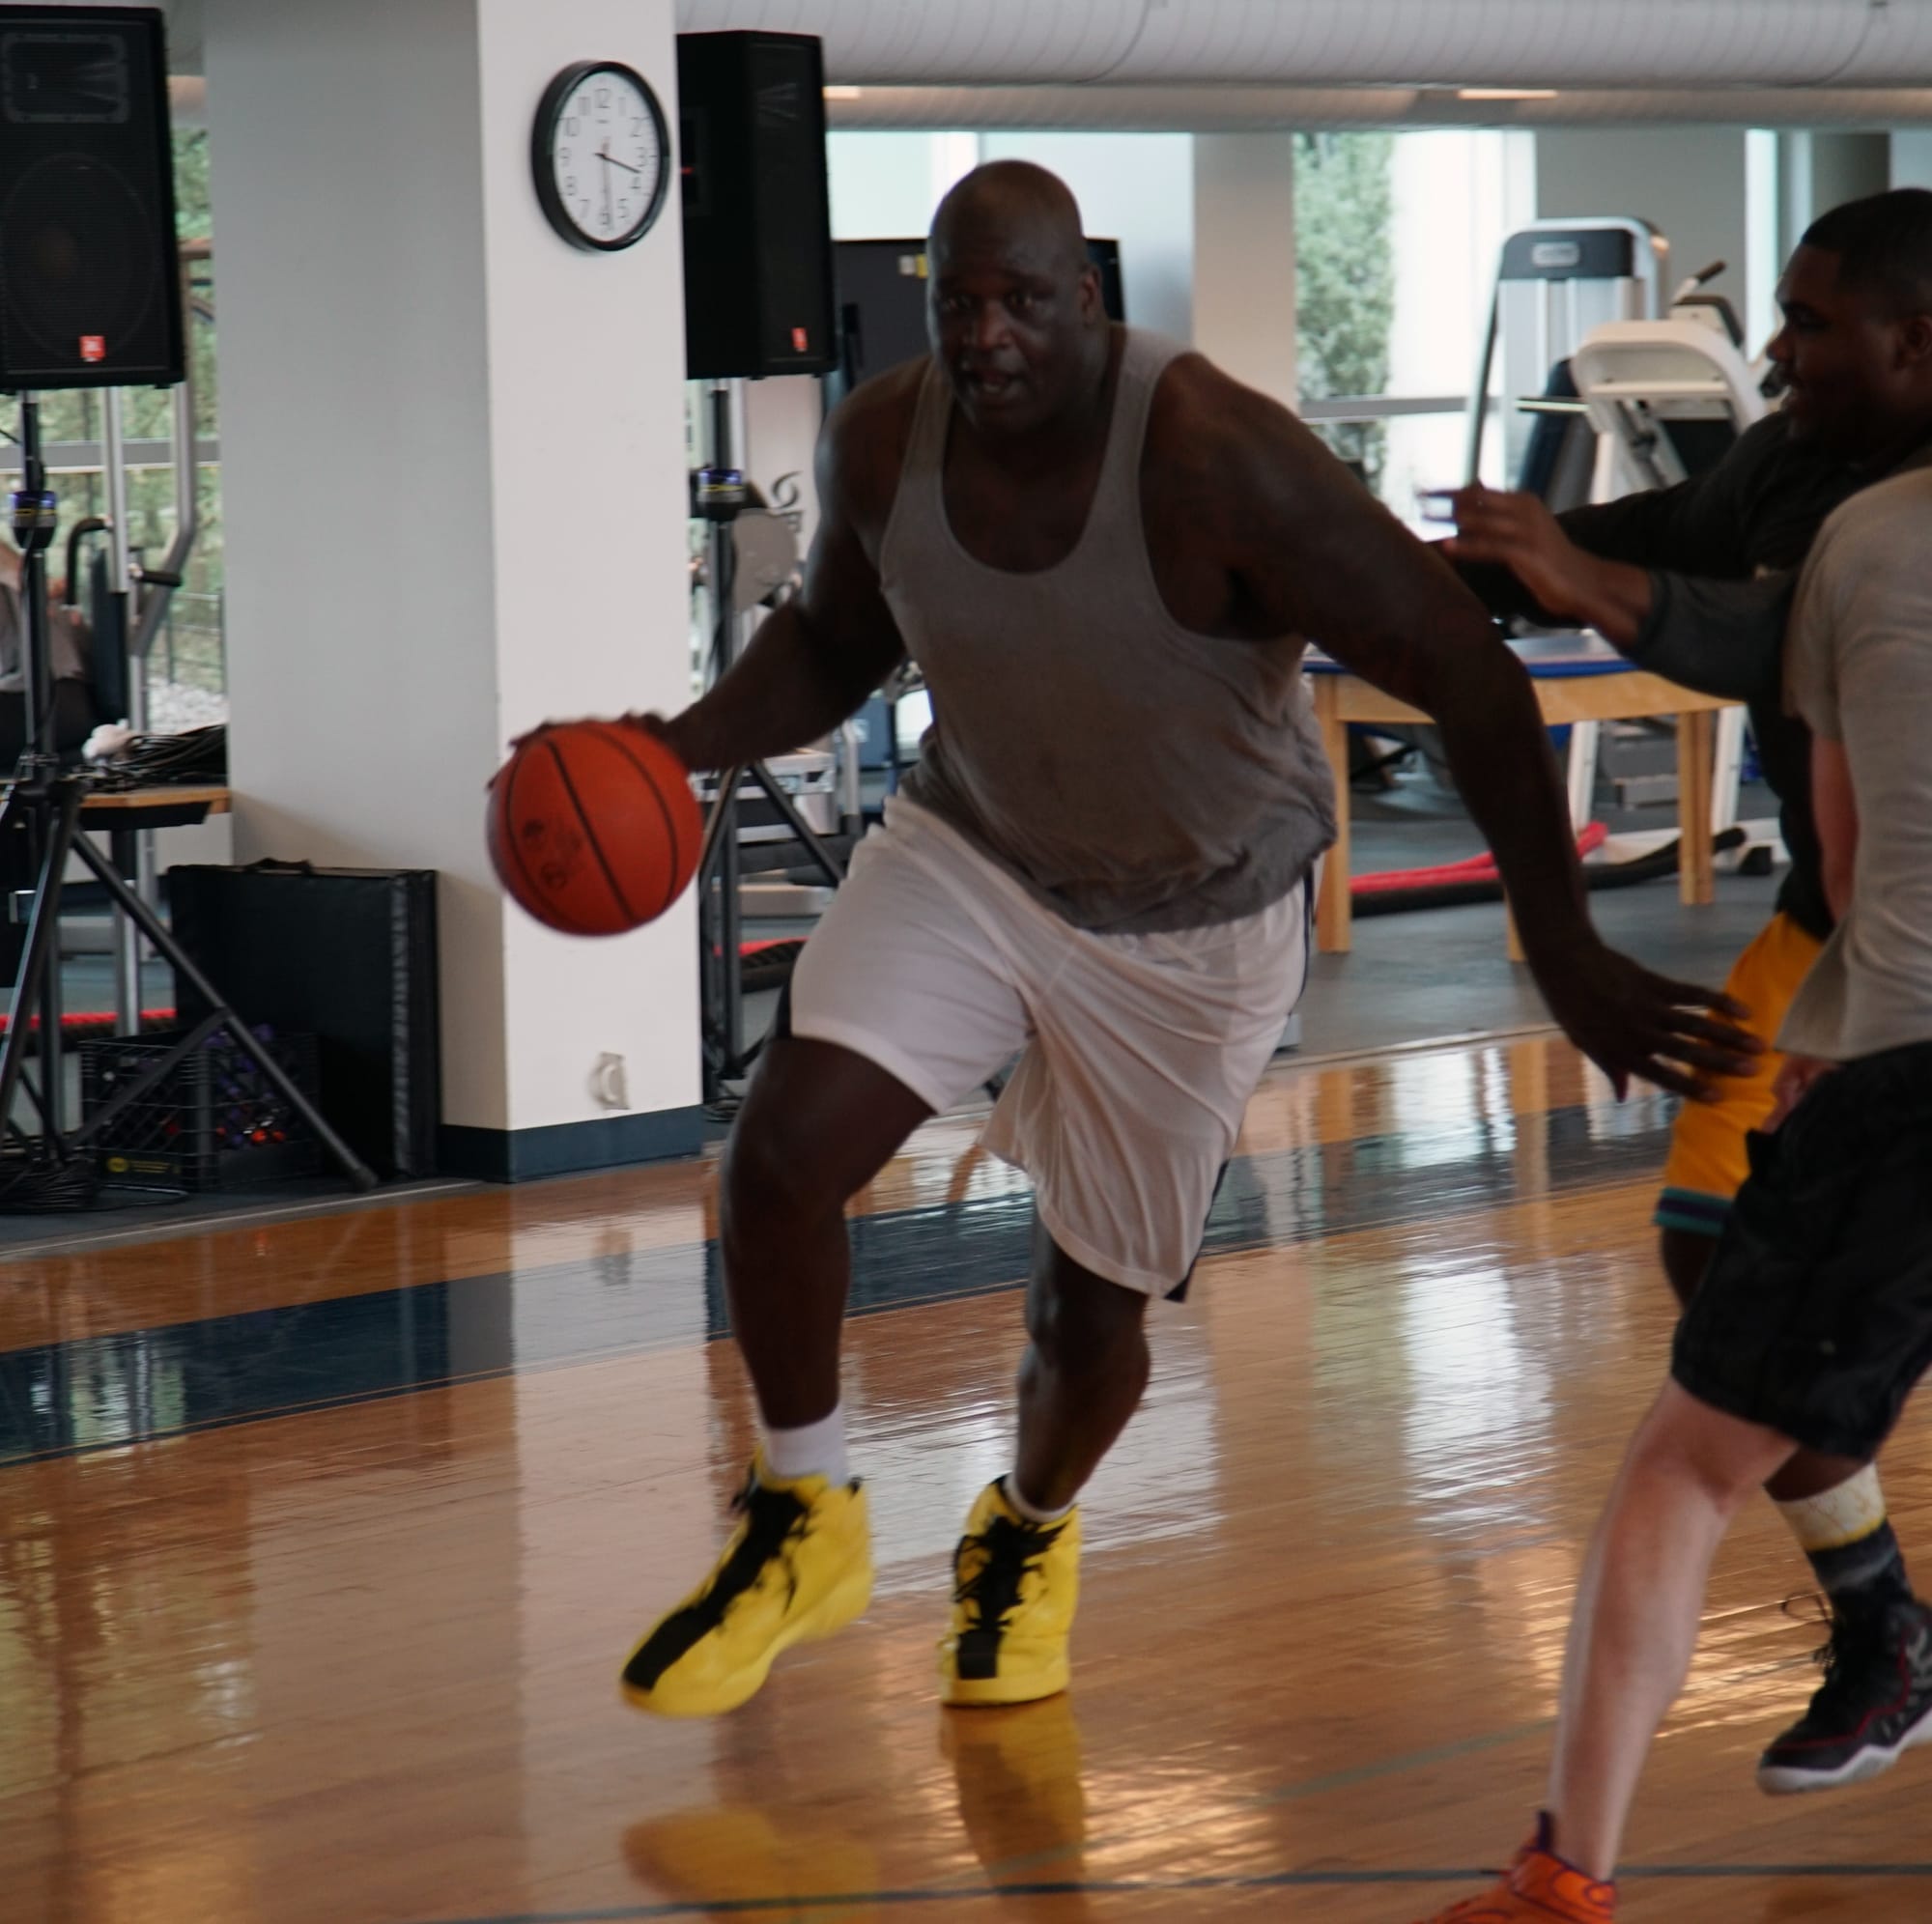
<point>604,154</point>
<point>616,116</point>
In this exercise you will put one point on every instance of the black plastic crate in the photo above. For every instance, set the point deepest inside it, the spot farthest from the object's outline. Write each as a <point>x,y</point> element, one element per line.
<point>213,1122</point>
<point>347,955</point>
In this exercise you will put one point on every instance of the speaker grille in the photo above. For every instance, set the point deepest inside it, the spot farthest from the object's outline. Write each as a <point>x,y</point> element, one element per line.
<point>81,260</point>
<point>757,228</point>
<point>89,293</point>
<point>789,191</point>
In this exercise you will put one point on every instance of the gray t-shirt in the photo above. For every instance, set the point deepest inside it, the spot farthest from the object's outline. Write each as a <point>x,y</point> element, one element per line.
<point>1135,777</point>
<point>1858,671</point>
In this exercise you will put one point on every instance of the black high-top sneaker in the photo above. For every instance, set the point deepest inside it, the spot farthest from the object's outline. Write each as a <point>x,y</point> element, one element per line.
<point>1873,1705</point>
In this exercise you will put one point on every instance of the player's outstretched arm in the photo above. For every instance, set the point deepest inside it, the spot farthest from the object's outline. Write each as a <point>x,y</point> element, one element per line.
<point>1315,554</point>
<point>820,657</point>
<point>1517,531</point>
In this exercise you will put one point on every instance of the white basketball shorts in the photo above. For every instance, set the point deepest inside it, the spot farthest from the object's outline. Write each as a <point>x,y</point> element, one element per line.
<point>1140,1051</point>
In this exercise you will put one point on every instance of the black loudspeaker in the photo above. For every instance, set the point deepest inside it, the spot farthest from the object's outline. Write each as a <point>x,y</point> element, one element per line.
<point>758,208</point>
<point>347,955</point>
<point>90,280</point>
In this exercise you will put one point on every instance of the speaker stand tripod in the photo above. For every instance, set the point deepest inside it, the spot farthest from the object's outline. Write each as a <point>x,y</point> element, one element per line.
<point>721,494</point>
<point>44,803</point>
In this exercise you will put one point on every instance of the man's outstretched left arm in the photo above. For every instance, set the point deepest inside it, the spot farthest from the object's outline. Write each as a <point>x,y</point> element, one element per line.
<point>1320,557</point>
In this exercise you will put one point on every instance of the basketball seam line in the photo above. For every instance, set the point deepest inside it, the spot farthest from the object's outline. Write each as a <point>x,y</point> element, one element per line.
<point>673,887</point>
<point>591,833</point>
<point>510,775</point>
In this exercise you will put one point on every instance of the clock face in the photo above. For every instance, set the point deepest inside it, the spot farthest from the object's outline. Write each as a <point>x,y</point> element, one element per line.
<point>601,155</point>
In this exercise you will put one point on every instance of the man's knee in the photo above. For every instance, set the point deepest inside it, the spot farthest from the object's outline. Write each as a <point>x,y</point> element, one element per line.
<point>1701,1448</point>
<point>818,1123</point>
<point>771,1169</point>
<point>1077,1319</point>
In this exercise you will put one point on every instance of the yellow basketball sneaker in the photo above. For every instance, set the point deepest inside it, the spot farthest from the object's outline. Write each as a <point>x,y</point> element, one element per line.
<point>1014,1588</point>
<point>799,1565</point>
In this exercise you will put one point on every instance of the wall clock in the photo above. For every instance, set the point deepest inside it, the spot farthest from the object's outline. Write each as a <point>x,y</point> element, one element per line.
<point>601,153</point>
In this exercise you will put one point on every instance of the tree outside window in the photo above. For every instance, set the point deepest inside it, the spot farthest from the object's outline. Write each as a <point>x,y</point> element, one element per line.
<point>1344,271</point>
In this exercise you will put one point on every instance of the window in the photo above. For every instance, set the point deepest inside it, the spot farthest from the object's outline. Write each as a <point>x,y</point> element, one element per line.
<point>1397,238</point>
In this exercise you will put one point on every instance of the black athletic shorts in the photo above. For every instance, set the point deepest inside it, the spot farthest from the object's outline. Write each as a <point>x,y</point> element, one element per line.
<point>1815,1318</point>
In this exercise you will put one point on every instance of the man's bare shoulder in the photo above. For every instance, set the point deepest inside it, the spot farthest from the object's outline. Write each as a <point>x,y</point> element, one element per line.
<point>1228,446</point>
<point>865,442</point>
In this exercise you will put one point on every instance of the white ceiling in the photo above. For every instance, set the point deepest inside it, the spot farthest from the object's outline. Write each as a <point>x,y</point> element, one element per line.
<point>1270,109</point>
<point>1562,44</point>
<point>1228,64</point>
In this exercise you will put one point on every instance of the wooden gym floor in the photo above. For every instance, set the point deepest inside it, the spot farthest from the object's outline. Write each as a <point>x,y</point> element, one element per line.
<point>323,1540</point>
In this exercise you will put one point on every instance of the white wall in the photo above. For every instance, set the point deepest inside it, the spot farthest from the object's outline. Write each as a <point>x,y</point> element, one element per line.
<point>454,493</point>
<point>1689,182</point>
<point>1243,290</point>
<point>886,186</point>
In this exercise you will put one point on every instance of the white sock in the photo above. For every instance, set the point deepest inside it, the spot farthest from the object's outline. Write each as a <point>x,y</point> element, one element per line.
<point>813,1450</point>
<point>1032,1511</point>
<point>1838,1516</point>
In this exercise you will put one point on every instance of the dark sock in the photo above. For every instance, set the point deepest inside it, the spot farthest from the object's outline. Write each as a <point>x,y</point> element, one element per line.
<point>1864,1579</point>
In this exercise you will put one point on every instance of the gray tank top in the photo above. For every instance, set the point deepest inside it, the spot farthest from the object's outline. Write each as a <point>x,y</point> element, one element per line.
<point>1135,776</point>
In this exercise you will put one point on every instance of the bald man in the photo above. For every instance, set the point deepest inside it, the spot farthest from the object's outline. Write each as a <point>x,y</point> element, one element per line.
<point>1104,555</point>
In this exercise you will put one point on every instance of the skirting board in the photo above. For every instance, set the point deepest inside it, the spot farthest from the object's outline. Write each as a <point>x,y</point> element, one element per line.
<point>569,1148</point>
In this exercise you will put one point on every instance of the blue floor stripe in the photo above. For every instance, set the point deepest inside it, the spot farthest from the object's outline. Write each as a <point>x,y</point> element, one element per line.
<point>105,1392</point>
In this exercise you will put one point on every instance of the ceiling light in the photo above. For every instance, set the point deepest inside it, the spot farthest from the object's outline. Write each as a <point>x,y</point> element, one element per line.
<point>1506,93</point>
<point>844,92</point>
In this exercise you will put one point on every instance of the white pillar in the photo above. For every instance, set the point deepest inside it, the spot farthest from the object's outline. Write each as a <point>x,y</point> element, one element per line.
<point>1244,258</point>
<point>454,497</point>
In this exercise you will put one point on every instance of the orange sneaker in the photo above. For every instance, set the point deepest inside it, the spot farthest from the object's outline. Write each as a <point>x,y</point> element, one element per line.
<point>1541,1889</point>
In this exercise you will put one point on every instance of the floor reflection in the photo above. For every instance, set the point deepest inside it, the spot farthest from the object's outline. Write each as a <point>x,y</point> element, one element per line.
<point>359,1663</point>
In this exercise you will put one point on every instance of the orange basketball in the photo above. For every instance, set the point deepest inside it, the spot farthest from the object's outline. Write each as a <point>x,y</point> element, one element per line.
<point>593,827</point>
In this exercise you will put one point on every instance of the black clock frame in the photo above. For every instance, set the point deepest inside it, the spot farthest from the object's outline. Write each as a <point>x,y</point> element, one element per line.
<point>542,143</point>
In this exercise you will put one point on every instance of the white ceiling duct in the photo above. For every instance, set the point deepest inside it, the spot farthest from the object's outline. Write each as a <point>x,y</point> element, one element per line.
<point>1266,109</point>
<point>1650,44</point>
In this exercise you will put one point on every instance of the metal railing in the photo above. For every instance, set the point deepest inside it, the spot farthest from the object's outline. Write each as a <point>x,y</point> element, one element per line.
<point>190,649</point>
<point>1339,409</point>
<point>90,456</point>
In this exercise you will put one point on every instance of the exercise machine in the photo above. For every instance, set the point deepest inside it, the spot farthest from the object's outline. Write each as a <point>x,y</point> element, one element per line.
<point>1556,282</point>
